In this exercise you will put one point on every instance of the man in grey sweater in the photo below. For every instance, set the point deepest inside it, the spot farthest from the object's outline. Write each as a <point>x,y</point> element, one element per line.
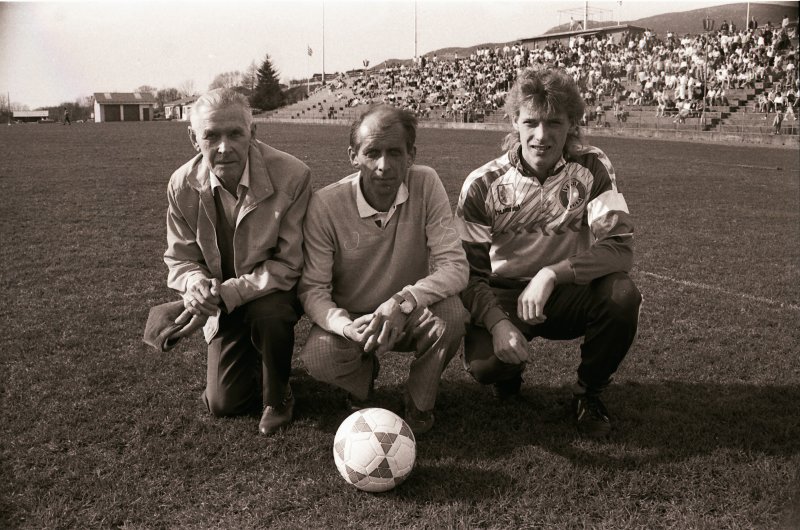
<point>383,269</point>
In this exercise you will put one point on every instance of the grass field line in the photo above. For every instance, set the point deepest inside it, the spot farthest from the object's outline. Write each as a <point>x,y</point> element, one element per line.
<point>723,164</point>
<point>738,294</point>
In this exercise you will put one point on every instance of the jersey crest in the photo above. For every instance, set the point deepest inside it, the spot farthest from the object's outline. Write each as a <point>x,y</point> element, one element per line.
<point>505,195</point>
<point>572,194</point>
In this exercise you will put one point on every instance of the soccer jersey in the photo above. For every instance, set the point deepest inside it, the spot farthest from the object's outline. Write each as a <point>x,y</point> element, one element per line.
<point>511,225</point>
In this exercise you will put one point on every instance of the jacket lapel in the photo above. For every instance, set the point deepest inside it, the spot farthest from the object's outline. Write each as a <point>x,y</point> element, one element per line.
<point>260,181</point>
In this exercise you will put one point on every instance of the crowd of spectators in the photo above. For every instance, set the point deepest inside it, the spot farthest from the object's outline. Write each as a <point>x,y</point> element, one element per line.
<point>670,73</point>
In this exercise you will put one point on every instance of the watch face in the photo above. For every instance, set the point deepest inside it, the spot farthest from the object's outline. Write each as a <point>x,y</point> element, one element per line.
<point>406,307</point>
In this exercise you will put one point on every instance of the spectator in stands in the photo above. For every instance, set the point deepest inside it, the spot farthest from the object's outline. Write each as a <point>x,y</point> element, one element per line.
<point>662,102</point>
<point>367,285</point>
<point>600,116</point>
<point>684,111</point>
<point>777,122</point>
<point>752,25</point>
<point>620,114</point>
<point>234,252</point>
<point>779,102</point>
<point>560,274</point>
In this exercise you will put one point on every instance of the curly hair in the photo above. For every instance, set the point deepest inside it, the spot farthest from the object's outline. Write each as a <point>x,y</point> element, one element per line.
<point>545,93</point>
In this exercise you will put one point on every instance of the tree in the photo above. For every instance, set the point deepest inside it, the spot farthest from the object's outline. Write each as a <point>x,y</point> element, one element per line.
<point>250,76</point>
<point>226,80</point>
<point>187,88</point>
<point>146,89</point>
<point>268,94</point>
<point>167,95</point>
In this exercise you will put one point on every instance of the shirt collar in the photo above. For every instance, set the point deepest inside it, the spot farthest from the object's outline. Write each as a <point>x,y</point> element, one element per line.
<point>365,210</point>
<point>515,156</point>
<point>244,181</point>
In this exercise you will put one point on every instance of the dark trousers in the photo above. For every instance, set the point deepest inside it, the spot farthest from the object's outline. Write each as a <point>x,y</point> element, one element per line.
<point>249,360</point>
<point>605,313</point>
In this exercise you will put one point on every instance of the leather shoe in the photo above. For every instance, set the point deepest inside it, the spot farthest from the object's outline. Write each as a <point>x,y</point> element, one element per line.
<point>420,421</point>
<point>276,416</point>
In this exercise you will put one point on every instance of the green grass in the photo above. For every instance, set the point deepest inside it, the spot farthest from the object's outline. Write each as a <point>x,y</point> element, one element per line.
<point>100,431</point>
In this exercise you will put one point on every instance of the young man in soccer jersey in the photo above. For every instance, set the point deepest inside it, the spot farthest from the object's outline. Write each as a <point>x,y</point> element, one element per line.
<point>549,242</point>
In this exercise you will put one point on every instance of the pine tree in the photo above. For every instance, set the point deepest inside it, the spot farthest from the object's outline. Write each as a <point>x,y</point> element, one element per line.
<point>268,94</point>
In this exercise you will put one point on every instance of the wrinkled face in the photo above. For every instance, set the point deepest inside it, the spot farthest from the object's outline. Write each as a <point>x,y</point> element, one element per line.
<point>542,138</point>
<point>383,160</point>
<point>223,137</point>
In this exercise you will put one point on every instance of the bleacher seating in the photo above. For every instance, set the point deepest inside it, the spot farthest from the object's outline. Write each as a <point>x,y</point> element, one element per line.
<point>635,72</point>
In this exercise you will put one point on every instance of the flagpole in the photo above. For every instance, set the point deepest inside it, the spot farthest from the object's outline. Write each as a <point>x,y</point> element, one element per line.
<point>747,18</point>
<point>323,43</point>
<point>415,30</point>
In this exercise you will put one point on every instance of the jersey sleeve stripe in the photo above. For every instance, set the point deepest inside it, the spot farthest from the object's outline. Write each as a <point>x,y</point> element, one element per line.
<point>473,232</point>
<point>606,202</point>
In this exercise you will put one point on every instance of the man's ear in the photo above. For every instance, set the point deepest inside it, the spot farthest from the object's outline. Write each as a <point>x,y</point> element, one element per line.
<point>253,130</point>
<point>351,153</point>
<point>412,155</point>
<point>193,139</point>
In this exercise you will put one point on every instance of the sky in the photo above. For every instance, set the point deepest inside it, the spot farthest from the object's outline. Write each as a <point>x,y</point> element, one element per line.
<point>54,52</point>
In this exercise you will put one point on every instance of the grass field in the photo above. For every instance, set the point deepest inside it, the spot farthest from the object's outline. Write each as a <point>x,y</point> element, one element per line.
<point>100,431</point>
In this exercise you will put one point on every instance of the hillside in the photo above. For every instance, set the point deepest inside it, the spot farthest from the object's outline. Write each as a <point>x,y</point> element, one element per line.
<point>692,21</point>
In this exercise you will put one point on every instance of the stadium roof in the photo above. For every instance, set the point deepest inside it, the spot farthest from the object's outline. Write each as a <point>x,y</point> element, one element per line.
<point>593,30</point>
<point>123,98</point>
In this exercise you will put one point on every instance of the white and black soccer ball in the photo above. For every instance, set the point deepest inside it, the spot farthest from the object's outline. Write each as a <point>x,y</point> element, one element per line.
<point>374,449</point>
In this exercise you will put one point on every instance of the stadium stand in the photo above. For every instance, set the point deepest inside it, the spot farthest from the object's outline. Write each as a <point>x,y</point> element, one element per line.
<point>725,81</point>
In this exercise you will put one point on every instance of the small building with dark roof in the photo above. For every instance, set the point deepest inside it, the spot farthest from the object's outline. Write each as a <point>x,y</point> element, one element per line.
<point>123,106</point>
<point>179,109</point>
<point>30,116</point>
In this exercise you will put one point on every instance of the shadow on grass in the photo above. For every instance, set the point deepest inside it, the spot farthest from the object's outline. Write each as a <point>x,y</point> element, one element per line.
<point>653,422</point>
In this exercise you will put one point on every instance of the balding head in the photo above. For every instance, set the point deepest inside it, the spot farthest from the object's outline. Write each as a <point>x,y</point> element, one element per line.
<point>383,117</point>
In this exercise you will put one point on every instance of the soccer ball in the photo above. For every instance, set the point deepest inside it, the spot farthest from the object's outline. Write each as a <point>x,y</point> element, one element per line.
<point>374,450</point>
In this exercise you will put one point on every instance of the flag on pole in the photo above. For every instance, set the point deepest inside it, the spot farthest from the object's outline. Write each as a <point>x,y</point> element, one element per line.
<point>310,51</point>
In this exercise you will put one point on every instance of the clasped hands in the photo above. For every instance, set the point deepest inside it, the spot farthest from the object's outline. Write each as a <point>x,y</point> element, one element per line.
<point>510,345</point>
<point>200,301</point>
<point>379,330</point>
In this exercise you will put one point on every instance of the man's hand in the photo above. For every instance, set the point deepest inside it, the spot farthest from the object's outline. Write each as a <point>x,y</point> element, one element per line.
<point>356,331</point>
<point>510,345</point>
<point>530,304</point>
<point>202,297</point>
<point>387,326</point>
<point>190,323</point>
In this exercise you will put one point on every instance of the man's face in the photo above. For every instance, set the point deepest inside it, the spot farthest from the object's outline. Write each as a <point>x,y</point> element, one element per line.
<point>542,138</point>
<point>223,137</point>
<point>383,160</point>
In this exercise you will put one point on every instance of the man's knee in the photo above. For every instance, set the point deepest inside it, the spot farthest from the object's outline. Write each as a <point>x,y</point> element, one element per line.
<point>226,404</point>
<point>492,370</point>
<point>452,317</point>
<point>326,356</point>
<point>481,362</point>
<point>621,298</point>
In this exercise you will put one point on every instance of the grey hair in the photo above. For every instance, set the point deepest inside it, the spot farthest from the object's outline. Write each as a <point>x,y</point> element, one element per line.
<point>220,98</point>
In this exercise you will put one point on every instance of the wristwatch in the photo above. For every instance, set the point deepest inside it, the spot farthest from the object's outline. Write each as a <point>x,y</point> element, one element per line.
<point>407,303</point>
